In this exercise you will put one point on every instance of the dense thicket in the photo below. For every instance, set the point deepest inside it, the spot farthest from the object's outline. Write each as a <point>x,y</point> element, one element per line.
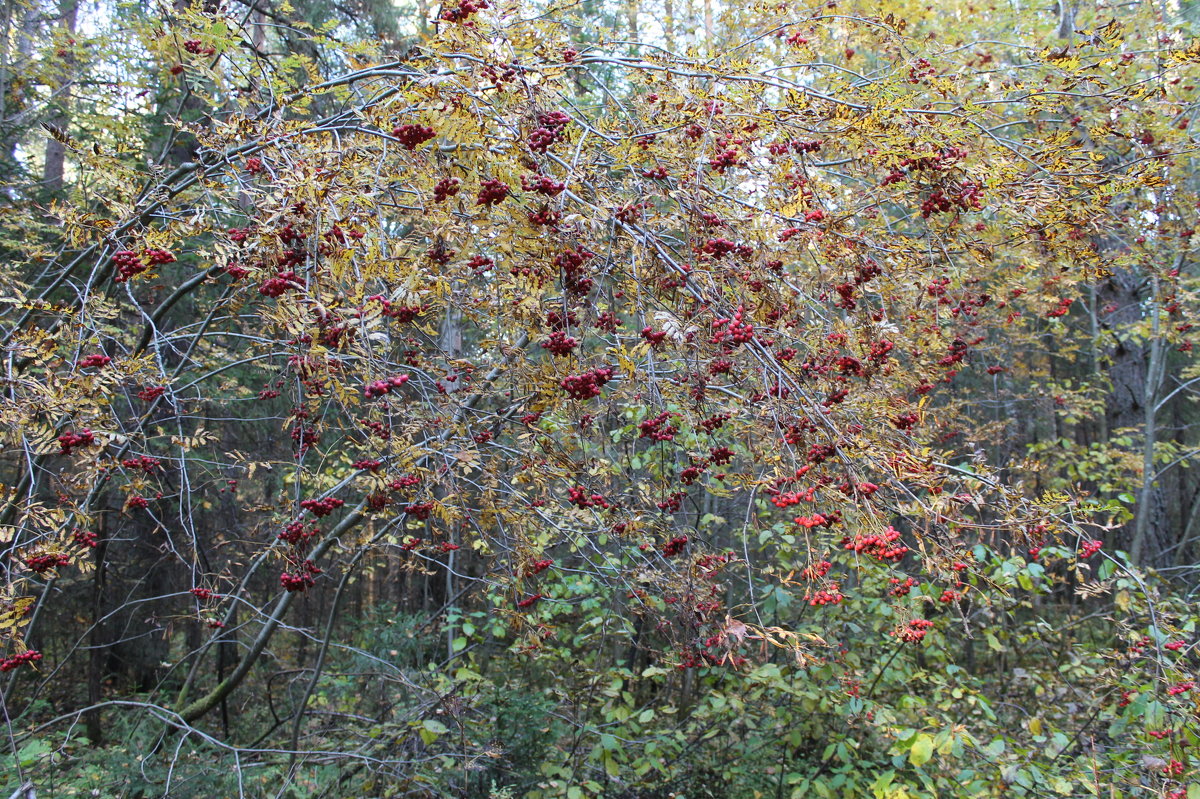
<point>589,400</point>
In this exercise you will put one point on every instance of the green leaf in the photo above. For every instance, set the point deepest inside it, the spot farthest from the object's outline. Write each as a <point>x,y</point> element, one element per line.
<point>921,751</point>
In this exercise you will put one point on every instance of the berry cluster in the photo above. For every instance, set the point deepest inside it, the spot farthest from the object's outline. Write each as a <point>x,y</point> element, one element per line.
<point>129,264</point>
<point>84,538</point>
<point>530,600</point>
<point>254,165</point>
<point>492,192</point>
<point>445,189</point>
<point>280,284</point>
<point>914,631</point>
<point>1089,548</point>
<point>413,136</point>
<point>28,656</point>
<point>379,388</point>
<point>655,337</point>
<point>538,566</point>
<point>827,596</point>
<point>734,331</point>
<point>656,428</point>
<point>151,393</point>
<point>40,564</point>
<point>204,594</point>
<point>571,263</point>
<point>70,440</point>
<point>94,360</point>
<point>551,128</point>
<point>419,510</point>
<point>196,47</point>
<point>967,197</point>
<point>902,587</point>
<point>463,11</point>
<point>543,184</point>
<point>300,580</point>
<point>725,160</point>
<point>674,546</point>
<point>673,502</point>
<point>578,496</point>
<point>1064,305</point>
<point>142,462</point>
<point>587,385</point>
<point>322,507</point>
<point>367,465</point>
<point>880,546</point>
<point>560,344</point>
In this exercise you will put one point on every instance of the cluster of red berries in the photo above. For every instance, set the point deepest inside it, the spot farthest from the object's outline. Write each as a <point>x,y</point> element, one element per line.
<point>1064,305</point>
<point>901,588</point>
<point>914,631</point>
<point>40,564</point>
<point>68,441</point>
<point>654,337</point>
<point>151,393</point>
<point>657,429</point>
<point>827,596</point>
<point>579,497</point>
<point>138,502</point>
<point>905,421</point>
<point>367,465</point>
<point>720,455</point>
<point>322,507</point>
<point>880,546</point>
<point>1089,548</point>
<point>254,166</point>
<point>492,192</point>
<point>445,189</point>
<point>128,262</point>
<point>204,594</point>
<point>84,538</point>
<point>405,481</point>
<point>543,184</point>
<point>587,385</point>
<point>673,502</point>
<point>419,510</point>
<point>815,571</point>
<point>300,580</point>
<point>571,263</point>
<point>303,438</point>
<point>530,600</point>
<point>94,360</point>
<point>463,11</point>
<point>379,388</point>
<point>968,196</point>
<point>28,656</point>
<point>725,160</point>
<point>413,136</point>
<point>142,463</point>
<point>734,331</point>
<point>538,566</point>
<point>674,546</point>
<point>196,47</point>
<point>560,344</point>
<point>1181,688</point>
<point>552,126</point>
<point>1175,646</point>
<point>281,283</point>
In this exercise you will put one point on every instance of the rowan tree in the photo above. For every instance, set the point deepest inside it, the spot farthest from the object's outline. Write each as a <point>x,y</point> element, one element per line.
<point>527,411</point>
